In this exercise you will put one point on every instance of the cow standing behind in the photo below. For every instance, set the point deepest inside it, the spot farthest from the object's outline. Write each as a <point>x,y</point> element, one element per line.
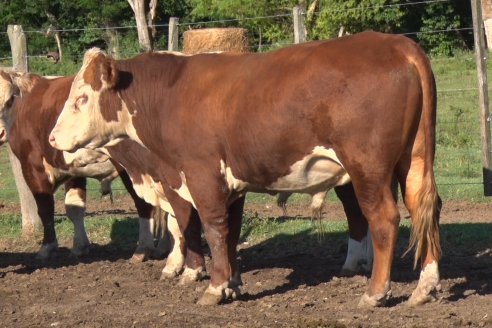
<point>29,106</point>
<point>304,118</point>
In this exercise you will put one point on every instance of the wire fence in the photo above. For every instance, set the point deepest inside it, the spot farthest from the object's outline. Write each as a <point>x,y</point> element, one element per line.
<point>458,156</point>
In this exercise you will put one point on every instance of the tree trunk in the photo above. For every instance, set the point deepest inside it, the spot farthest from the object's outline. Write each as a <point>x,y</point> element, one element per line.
<point>29,210</point>
<point>138,7</point>
<point>151,20</point>
<point>112,42</point>
<point>30,219</point>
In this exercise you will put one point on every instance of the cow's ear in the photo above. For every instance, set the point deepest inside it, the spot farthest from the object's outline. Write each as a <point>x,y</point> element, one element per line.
<point>109,72</point>
<point>23,82</point>
<point>98,70</point>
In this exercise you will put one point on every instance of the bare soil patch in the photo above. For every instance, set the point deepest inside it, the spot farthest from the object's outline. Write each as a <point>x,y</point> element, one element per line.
<point>287,283</point>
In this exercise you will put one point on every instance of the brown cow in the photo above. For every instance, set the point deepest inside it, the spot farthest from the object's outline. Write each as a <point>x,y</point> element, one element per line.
<point>133,157</point>
<point>26,123</point>
<point>304,118</point>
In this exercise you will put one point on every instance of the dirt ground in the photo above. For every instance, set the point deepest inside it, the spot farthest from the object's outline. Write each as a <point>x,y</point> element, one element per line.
<point>287,283</point>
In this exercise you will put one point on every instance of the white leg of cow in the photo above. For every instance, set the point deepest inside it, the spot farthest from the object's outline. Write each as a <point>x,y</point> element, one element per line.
<point>145,240</point>
<point>175,259</point>
<point>75,209</point>
<point>428,284</point>
<point>359,256</point>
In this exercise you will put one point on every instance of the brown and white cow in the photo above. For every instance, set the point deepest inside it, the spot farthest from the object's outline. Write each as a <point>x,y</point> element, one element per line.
<point>134,157</point>
<point>301,119</point>
<point>41,98</point>
<point>25,123</point>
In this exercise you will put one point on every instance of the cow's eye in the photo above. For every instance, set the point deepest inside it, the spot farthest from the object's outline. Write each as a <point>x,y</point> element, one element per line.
<point>10,101</point>
<point>82,100</point>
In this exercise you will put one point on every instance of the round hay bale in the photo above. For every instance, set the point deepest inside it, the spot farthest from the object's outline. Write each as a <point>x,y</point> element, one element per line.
<point>215,39</point>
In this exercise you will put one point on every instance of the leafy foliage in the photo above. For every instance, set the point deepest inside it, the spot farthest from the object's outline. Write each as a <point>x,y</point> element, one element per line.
<point>110,23</point>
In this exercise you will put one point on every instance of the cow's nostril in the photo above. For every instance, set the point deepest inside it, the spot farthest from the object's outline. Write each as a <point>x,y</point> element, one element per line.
<point>52,139</point>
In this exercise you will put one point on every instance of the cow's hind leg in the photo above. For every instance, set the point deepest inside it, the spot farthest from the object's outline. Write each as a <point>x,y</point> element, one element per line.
<point>235,220</point>
<point>423,203</point>
<point>75,201</point>
<point>146,223</point>
<point>379,207</point>
<point>359,253</point>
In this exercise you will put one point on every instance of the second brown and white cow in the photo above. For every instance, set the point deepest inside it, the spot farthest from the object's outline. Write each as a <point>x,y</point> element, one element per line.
<point>29,106</point>
<point>300,119</point>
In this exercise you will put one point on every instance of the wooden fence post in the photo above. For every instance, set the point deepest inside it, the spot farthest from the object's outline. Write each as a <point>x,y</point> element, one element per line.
<point>29,211</point>
<point>299,28</point>
<point>173,38</point>
<point>483,98</point>
<point>19,48</point>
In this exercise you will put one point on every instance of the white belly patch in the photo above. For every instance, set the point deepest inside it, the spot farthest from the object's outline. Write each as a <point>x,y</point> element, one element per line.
<point>319,170</point>
<point>152,192</point>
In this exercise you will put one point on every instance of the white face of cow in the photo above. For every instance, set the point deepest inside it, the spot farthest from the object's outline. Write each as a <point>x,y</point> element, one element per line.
<point>8,92</point>
<point>82,124</point>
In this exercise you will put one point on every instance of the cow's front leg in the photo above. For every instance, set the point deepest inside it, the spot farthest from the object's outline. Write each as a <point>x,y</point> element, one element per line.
<point>185,228</point>
<point>176,258</point>
<point>216,232</point>
<point>75,202</point>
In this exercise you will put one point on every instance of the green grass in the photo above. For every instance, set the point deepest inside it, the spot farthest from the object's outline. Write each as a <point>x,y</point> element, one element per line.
<point>122,233</point>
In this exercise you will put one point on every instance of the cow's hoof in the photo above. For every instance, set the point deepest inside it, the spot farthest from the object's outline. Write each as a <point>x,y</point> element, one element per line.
<point>216,295</point>
<point>138,258</point>
<point>427,287</point>
<point>377,300</point>
<point>191,275</point>
<point>140,255</point>
<point>46,251</point>
<point>423,295</point>
<point>79,251</point>
<point>170,272</point>
<point>210,299</point>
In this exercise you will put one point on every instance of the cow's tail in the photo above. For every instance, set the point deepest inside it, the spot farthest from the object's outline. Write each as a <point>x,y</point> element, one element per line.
<point>425,225</point>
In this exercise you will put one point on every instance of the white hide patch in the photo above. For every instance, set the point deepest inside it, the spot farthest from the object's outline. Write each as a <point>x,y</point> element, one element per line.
<point>232,182</point>
<point>318,171</point>
<point>359,255</point>
<point>183,190</point>
<point>75,197</point>
<point>131,132</point>
<point>152,192</point>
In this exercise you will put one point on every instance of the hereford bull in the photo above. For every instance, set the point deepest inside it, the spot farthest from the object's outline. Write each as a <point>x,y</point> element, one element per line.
<point>304,118</point>
<point>139,165</point>
<point>29,106</point>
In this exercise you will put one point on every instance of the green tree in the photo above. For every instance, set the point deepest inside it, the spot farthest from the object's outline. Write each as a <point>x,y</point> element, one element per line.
<point>356,16</point>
